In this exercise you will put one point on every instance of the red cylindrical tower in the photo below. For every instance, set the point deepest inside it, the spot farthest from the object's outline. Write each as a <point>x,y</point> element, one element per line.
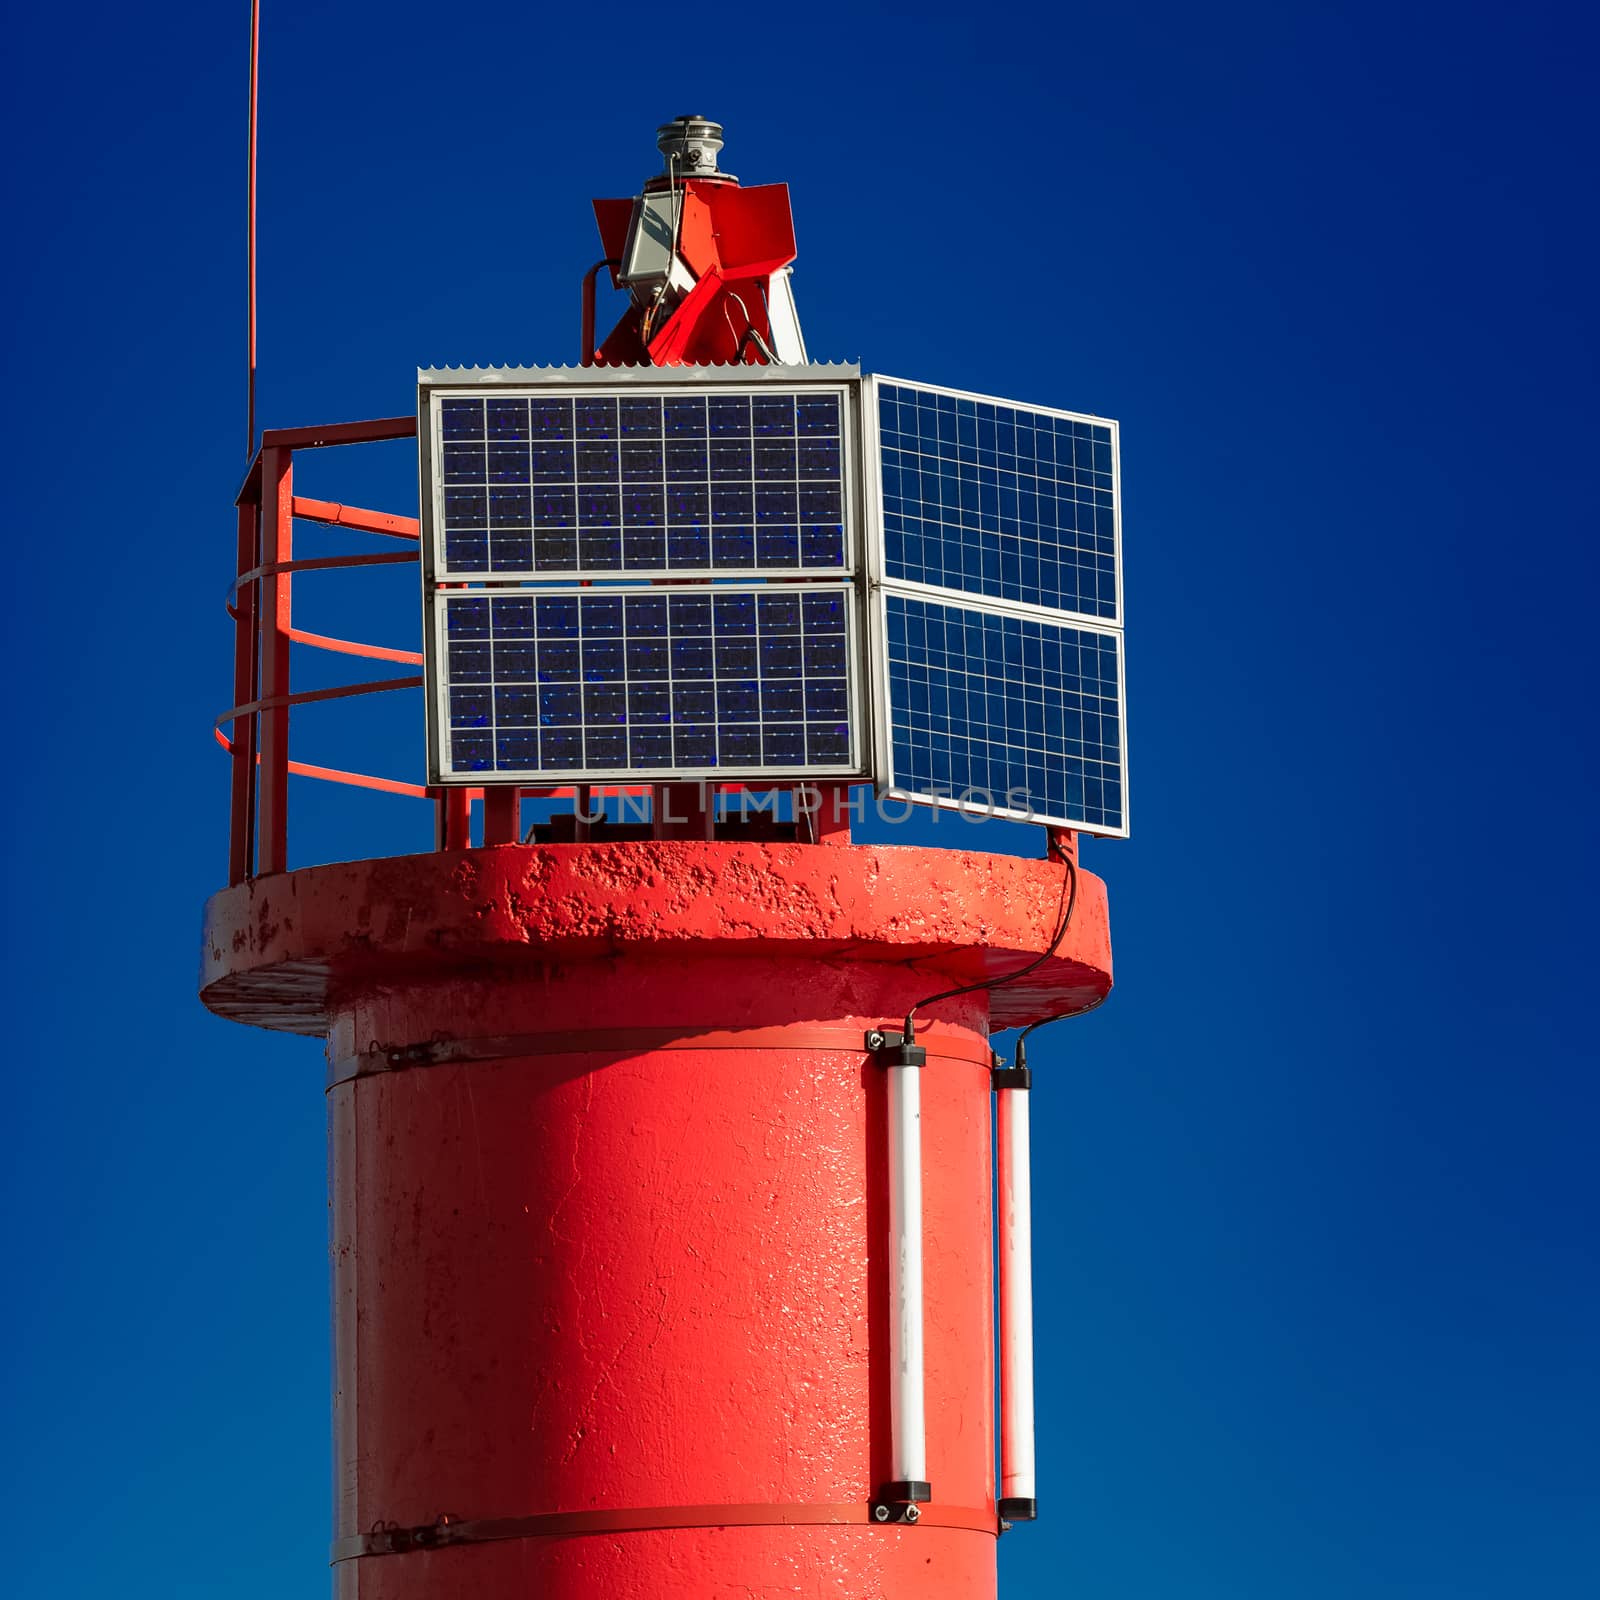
<point>609,1197</point>
<point>663,1249</point>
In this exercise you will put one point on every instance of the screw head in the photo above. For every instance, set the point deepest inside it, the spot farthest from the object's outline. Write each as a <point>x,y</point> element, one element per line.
<point>880,1513</point>
<point>874,1040</point>
<point>913,1514</point>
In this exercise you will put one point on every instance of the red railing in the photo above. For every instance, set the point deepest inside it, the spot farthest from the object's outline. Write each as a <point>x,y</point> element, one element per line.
<point>261,605</point>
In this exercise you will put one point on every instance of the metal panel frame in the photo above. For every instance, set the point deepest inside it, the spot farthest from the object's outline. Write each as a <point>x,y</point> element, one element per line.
<point>873,453</point>
<point>470,383</point>
<point>857,649</point>
<point>882,726</point>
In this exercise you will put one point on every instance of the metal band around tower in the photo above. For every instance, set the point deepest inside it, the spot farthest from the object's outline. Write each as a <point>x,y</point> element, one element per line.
<point>447,1531</point>
<point>380,1059</point>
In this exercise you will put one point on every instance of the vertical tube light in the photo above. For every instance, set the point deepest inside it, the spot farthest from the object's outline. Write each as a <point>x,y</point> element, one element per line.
<point>1018,1488</point>
<point>907,1419</point>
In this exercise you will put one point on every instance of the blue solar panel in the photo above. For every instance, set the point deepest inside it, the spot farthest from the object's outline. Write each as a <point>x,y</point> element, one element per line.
<point>998,500</point>
<point>589,484</point>
<point>1007,710</point>
<point>710,680</point>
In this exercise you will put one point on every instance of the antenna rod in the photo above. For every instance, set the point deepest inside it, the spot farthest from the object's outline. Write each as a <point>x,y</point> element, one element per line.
<point>250,233</point>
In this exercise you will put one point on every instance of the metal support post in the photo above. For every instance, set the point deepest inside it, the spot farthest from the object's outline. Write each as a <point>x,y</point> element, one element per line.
<point>502,814</point>
<point>277,547</point>
<point>242,821</point>
<point>682,811</point>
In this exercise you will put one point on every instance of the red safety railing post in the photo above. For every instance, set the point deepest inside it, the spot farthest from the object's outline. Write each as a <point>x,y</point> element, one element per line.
<point>830,822</point>
<point>682,811</point>
<point>452,819</point>
<point>242,812</point>
<point>274,611</point>
<point>502,814</point>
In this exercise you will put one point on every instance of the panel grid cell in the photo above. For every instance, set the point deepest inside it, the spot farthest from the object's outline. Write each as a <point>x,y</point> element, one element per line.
<point>590,484</point>
<point>593,683</point>
<point>1005,709</point>
<point>998,500</point>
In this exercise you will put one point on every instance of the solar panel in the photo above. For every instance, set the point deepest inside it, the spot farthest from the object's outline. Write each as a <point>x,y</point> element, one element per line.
<point>991,498</point>
<point>645,574</point>
<point>710,681</point>
<point>991,707</point>
<point>575,481</point>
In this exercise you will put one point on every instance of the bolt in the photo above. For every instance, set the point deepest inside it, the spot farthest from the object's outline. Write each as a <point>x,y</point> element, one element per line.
<point>874,1040</point>
<point>912,1514</point>
<point>880,1513</point>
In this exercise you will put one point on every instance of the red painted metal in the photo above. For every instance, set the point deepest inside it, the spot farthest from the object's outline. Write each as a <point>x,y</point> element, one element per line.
<point>277,545</point>
<point>830,815</point>
<point>271,704</point>
<point>250,227</point>
<point>682,811</point>
<point>612,218</point>
<point>453,818</point>
<point>263,633</point>
<point>269,569</point>
<point>379,430</point>
<point>586,350</point>
<point>697,236</point>
<point>338,516</point>
<point>351,647</point>
<point>754,227</point>
<point>340,433</point>
<point>502,814</point>
<point>357,780</point>
<point>733,240</point>
<point>617,1256</point>
<point>242,816</point>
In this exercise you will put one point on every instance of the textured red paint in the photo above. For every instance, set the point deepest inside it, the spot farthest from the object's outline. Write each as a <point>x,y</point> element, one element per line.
<point>612,1278</point>
<point>275,949</point>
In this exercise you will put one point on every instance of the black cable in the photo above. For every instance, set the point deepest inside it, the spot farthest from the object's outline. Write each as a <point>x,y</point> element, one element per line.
<point>1044,1022</point>
<point>1069,901</point>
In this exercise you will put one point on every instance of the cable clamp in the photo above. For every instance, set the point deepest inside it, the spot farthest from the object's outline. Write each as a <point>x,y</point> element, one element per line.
<point>899,1501</point>
<point>894,1049</point>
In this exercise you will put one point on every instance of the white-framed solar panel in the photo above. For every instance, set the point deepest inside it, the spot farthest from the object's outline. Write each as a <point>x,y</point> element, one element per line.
<point>973,494</point>
<point>603,474</point>
<point>998,709</point>
<point>659,682</point>
<point>994,559</point>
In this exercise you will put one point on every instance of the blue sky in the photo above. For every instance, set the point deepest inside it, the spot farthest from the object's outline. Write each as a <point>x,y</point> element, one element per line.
<point>1320,1309</point>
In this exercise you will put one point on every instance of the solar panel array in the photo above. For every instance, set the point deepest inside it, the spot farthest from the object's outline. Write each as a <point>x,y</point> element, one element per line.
<point>566,646</point>
<point>999,540</point>
<point>999,500</point>
<point>593,485</point>
<point>1005,710</point>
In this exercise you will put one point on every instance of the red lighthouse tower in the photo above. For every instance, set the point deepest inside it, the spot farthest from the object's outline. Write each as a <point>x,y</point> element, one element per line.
<point>661,1132</point>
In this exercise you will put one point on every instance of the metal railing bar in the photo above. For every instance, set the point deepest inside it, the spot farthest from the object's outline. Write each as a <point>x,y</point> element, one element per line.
<point>307,696</point>
<point>350,647</point>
